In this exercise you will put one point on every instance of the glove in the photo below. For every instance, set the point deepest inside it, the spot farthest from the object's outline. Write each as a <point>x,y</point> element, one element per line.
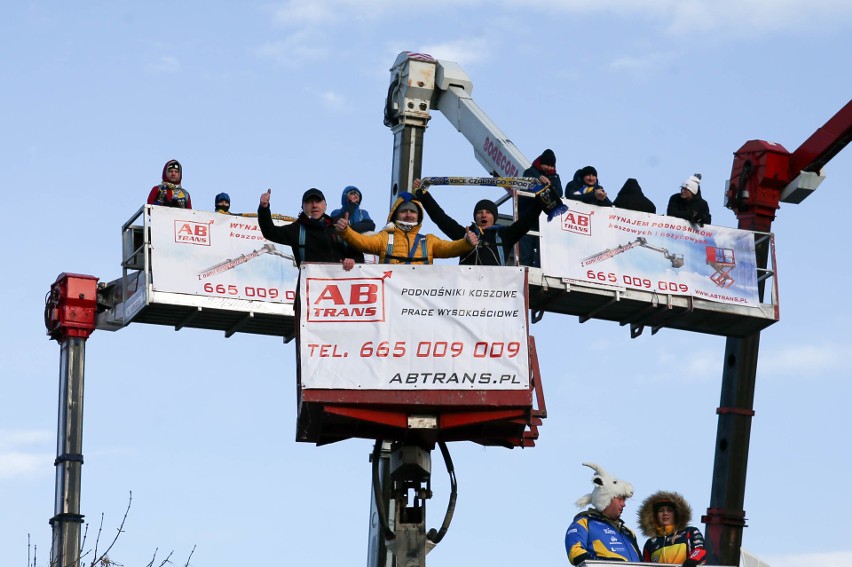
<point>690,562</point>
<point>696,218</point>
<point>419,191</point>
<point>580,558</point>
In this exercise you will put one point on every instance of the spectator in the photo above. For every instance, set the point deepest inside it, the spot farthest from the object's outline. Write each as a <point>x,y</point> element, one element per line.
<point>585,187</point>
<point>495,241</point>
<point>223,203</point>
<point>689,204</point>
<point>599,533</point>
<point>543,169</point>
<point>631,197</point>
<point>664,518</point>
<point>312,237</point>
<point>359,219</point>
<point>401,242</point>
<point>169,193</point>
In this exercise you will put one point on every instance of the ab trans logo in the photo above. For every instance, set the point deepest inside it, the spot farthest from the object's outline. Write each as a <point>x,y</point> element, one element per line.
<point>190,232</point>
<point>577,222</point>
<point>353,300</point>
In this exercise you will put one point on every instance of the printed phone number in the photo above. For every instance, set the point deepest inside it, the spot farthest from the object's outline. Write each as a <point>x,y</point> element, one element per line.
<point>424,349</point>
<point>249,291</point>
<point>633,281</point>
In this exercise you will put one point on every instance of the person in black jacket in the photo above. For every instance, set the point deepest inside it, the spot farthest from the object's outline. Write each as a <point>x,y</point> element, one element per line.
<point>495,241</point>
<point>584,187</point>
<point>312,237</point>
<point>543,169</point>
<point>631,197</point>
<point>689,204</point>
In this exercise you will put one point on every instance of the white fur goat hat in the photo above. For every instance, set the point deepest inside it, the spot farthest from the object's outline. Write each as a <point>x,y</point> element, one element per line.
<point>606,488</point>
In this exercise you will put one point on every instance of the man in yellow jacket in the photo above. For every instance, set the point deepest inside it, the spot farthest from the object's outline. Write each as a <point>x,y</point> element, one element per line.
<point>400,242</point>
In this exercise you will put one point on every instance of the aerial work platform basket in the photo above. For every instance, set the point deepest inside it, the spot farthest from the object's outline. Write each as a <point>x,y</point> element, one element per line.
<point>417,354</point>
<point>198,269</point>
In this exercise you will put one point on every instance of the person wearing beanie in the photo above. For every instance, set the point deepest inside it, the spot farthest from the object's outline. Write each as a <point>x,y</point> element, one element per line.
<point>543,168</point>
<point>222,202</point>
<point>664,518</point>
<point>169,193</point>
<point>312,236</point>
<point>631,197</point>
<point>400,242</point>
<point>688,203</point>
<point>350,202</point>
<point>599,533</point>
<point>585,187</point>
<point>496,242</point>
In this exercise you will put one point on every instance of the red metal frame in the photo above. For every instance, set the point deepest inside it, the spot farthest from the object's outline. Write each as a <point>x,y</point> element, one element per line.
<point>71,306</point>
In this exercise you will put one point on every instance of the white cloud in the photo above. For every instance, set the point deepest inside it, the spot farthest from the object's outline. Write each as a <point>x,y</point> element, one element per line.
<point>293,51</point>
<point>305,12</point>
<point>22,452</point>
<point>10,438</point>
<point>804,360</point>
<point>463,51</point>
<point>165,64</point>
<point>830,559</point>
<point>641,65</point>
<point>335,101</point>
<point>13,464</point>
<point>694,18</point>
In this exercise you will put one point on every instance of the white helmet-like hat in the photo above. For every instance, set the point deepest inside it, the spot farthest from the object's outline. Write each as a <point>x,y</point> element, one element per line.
<point>606,488</point>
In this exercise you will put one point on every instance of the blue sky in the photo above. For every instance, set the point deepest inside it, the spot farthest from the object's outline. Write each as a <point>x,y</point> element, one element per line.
<point>97,96</point>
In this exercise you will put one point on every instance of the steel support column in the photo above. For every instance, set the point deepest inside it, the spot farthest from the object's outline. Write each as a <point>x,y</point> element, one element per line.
<point>67,520</point>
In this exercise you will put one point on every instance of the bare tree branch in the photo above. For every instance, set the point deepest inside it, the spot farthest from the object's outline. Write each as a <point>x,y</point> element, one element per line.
<point>190,557</point>
<point>119,531</point>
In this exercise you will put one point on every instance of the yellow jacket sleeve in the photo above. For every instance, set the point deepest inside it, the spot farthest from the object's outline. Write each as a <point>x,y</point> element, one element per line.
<point>448,248</point>
<point>367,243</point>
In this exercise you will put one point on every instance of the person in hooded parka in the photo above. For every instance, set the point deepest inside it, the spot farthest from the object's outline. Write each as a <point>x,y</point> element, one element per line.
<point>664,518</point>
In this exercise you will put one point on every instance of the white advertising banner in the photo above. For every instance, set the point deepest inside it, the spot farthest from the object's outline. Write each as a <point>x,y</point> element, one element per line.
<point>630,249</point>
<point>215,255</point>
<point>398,327</point>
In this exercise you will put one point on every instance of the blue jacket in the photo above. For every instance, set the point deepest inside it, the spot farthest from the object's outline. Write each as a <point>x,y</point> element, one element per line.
<point>594,536</point>
<point>359,219</point>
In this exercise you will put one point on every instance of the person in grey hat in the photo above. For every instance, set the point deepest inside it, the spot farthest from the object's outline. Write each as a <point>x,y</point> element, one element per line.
<point>400,241</point>
<point>312,237</point>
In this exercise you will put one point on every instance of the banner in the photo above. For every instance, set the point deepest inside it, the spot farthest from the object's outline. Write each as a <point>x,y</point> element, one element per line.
<point>629,249</point>
<point>399,327</point>
<point>217,255</point>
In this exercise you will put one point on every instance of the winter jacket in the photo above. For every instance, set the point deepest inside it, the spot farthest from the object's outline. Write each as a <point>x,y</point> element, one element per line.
<point>495,242</point>
<point>594,536</point>
<point>525,204</point>
<point>321,243</point>
<point>359,219</point>
<point>694,210</point>
<point>577,190</point>
<point>631,197</point>
<point>409,247</point>
<point>170,194</point>
<point>677,542</point>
